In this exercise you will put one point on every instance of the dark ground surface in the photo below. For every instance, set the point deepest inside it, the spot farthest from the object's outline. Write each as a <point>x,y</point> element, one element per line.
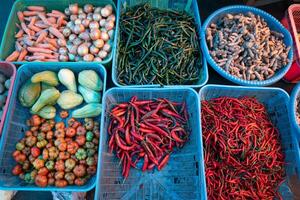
<point>206,7</point>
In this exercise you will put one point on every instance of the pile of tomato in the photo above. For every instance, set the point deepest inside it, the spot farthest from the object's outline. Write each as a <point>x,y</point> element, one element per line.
<point>57,154</point>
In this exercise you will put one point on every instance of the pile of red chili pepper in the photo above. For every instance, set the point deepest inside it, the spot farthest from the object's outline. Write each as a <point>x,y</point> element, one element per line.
<point>147,131</point>
<point>243,155</point>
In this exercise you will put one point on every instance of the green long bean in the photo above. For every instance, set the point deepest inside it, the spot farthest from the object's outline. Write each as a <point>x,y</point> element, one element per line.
<point>158,47</point>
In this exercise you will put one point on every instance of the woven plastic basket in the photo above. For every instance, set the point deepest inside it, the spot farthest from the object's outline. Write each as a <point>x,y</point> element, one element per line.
<point>273,23</point>
<point>183,176</point>
<point>15,126</point>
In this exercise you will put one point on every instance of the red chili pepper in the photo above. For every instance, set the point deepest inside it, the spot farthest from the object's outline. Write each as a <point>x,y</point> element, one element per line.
<point>140,103</point>
<point>151,166</point>
<point>145,165</point>
<point>142,130</point>
<point>159,130</point>
<point>120,106</point>
<point>127,136</point>
<point>149,152</point>
<point>119,143</point>
<point>243,157</point>
<point>163,162</point>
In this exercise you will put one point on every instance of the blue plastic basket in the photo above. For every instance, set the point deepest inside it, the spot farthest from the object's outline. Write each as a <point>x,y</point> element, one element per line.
<point>293,106</point>
<point>273,23</point>
<point>15,126</point>
<point>183,176</point>
<point>8,40</point>
<point>190,6</point>
<point>276,102</point>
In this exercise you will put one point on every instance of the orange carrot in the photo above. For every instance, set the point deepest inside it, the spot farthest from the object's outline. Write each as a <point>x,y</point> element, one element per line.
<point>18,46</point>
<point>44,19</point>
<point>12,57</point>
<point>25,29</point>
<point>22,55</point>
<point>31,13</point>
<point>56,33</point>
<point>20,16</point>
<point>41,24</point>
<point>41,50</point>
<point>34,28</point>
<point>42,36</point>
<point>52,41</point>
<point>19,33</point>
<point>60,21</point>
<point>56,12</point>
<point>35,58</point>
<point>46,46</point>
<point>32,20</point>
<point>36,8</point>
<point>28,41</point>
<point>46,55</point>
<point>52,20</point>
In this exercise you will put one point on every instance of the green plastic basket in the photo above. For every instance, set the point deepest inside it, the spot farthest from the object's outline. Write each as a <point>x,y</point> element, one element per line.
<point>8,39</point>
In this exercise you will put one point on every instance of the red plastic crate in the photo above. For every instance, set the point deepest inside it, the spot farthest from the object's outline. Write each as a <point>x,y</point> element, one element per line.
<point>292,22</point>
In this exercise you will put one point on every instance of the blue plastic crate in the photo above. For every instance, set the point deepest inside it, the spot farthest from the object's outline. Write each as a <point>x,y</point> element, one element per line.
<point>190,6</point>
<point>276,102</point>
<point>293,106</point>
<point>15,126</point>
<point>183,176</point>
<point>273,23</point>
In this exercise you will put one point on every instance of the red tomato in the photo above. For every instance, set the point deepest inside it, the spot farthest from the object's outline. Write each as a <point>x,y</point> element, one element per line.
<point>35,152</point>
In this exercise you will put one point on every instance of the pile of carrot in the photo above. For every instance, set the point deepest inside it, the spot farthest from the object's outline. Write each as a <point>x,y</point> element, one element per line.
<point>148,131</point>
<point>243,155</point>
<point>40,35</point>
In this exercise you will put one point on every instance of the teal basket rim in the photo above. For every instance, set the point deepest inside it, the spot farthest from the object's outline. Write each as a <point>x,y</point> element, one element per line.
<point>241,9</point>
<point>240,87</point>
<point>33,187</point>
<point>14,11</point>
<point>204,72</point>
<point>202,181</point>
<point>295,93</point>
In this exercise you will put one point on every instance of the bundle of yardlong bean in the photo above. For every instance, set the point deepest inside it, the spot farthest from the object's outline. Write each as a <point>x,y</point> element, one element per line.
<point>157,47</point>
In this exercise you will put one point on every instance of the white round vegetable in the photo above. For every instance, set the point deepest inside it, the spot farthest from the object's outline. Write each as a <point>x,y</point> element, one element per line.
<point>82,49</point>
<point>98,43</point>
<point>104,36</point>
<point>102,54</point>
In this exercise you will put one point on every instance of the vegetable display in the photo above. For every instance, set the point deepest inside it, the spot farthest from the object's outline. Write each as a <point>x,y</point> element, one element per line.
<point>78,34</point>
<point>243,156</point>
<point>4,86</point>
<point>147,131</point>
<point>39,37</point>
<point>89,32</point>
<point>41,93</point>
<point>157,47</point>
<point>246,47</point>
<point>49,154</point>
